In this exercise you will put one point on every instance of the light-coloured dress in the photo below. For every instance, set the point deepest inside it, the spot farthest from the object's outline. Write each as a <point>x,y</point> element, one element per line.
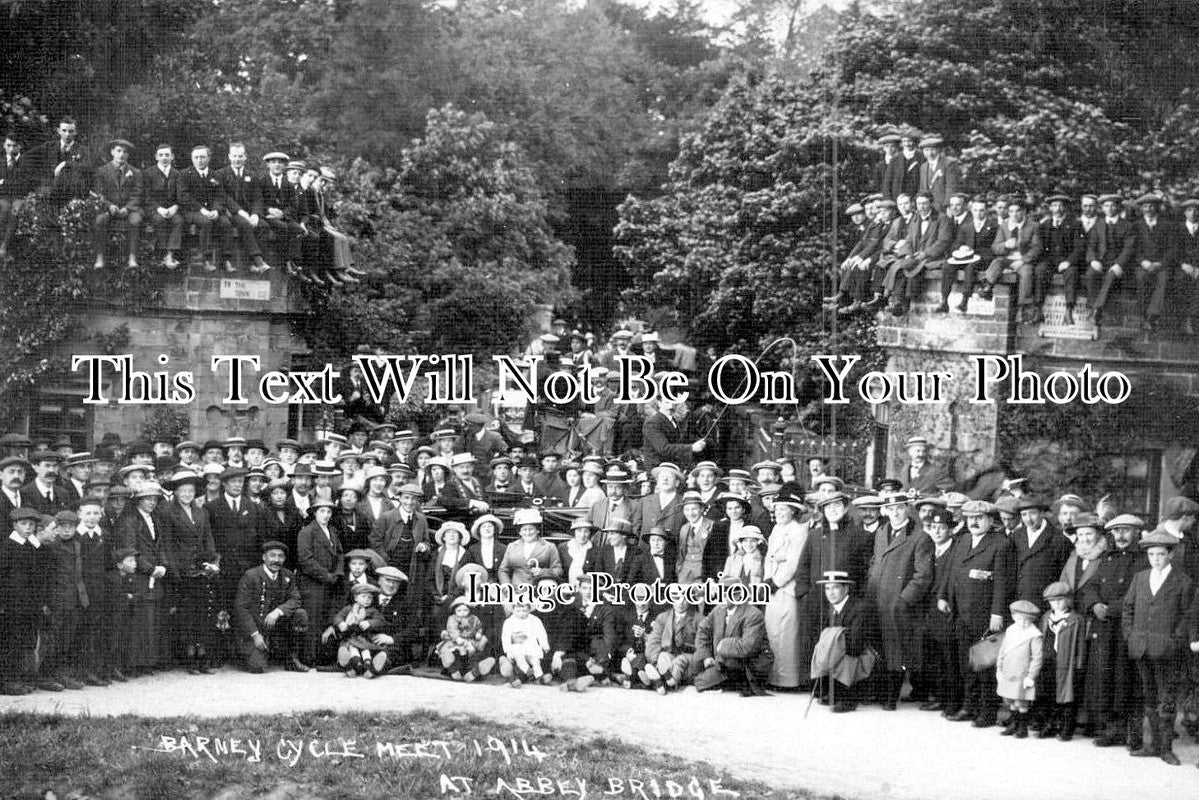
<point>783,552</point>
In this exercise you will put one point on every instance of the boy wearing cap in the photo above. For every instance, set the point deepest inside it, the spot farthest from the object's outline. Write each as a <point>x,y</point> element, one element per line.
<point>1064,635</point>
<point>1021,656</point>
<point>847,649</point>
<point>1112,686</point>
<point>1157,629</point>
<point>76,575</point>
<point>134,649</point>
<point>357,628</point>
<point>268,618</point>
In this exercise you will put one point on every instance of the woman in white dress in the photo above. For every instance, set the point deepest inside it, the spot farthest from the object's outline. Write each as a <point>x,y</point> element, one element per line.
<point>783,552</point>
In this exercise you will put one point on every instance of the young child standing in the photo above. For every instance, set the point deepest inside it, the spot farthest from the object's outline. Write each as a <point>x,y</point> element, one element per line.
<point>129,593</point>
<point>525,644</point>
<point>1020,658</point>
<point>463,643</point>
<point>1064,647</point>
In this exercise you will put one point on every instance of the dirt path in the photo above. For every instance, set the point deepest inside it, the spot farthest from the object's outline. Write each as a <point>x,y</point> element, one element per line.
<point>867,754</point>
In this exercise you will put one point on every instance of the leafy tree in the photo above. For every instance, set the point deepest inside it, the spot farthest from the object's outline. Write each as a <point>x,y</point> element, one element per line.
<point>458,242</point>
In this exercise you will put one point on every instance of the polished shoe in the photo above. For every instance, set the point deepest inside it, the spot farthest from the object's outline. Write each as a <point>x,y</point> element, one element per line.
<point>206,668</point>
<point>170,262</point>
<point>99,263</point>
<point>845,311</point>
<point>932,705</point>
<point>842,707</point>
<point>942,309</point>
<point>963,716</point>
<point>356,272</point>
<point>1170,758</point>
<point>209,266</point>
<point>1009,728</point>
<point>346,277</point>
<point>987,721</point>
<point>890,705</point>
<point>260,266</point>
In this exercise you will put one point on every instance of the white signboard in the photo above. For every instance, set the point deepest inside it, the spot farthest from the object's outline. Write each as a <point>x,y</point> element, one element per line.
<point>238,289</point>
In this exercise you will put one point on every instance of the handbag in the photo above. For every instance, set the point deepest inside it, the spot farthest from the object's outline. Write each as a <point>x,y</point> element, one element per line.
<point>984,654</point>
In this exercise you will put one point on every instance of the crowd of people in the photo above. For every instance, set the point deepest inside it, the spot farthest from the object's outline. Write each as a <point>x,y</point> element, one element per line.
<point>283,211</point>
<point>356,554</point>
<point>919,221</point>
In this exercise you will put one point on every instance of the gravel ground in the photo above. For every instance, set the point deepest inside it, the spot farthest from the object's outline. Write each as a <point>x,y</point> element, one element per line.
<point>867,754</point>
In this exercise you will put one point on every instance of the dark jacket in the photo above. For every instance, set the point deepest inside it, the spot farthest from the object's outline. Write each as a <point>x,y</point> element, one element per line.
<point>258,596</point>
<point>120,186</point>
<point>1041,565</point>
<point>979,581</point>
<point>1156,626</point>
<point>196,192</point>
<point>160,191</point>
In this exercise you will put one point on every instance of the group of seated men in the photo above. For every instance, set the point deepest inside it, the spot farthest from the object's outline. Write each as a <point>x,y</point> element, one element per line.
<point>919,219</point>
<point>283,211</point>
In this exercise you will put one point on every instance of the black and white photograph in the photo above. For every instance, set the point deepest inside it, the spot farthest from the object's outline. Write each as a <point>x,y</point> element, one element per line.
<point>646,399</point>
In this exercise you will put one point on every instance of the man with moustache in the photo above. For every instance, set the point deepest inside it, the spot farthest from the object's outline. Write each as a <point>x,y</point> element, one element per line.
<point>978,586</point>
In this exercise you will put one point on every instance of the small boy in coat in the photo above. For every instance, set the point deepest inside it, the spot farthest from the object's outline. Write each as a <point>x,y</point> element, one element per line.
<point>357,628</point>
<point>1021,653</point>
<point>462,643</point>
<point>129,595</point>
<point>1064,632</point>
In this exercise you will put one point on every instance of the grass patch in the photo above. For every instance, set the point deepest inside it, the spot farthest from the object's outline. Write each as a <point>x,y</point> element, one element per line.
<point>353,756</point>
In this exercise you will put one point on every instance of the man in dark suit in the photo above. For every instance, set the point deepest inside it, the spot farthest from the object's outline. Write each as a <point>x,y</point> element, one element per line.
<point>940,175</point>
<point>78,467</point>
<point>848,646</point>
<point>1110,246</point>
<point>888,174</point>
<point>621,558</point>
<point>976,589</point>
<point>1187,279</point>
<point>664,437</point>
<point>920,471</point>
<point>1156,621</point>
<point>120,189</point>
<point>165,215</point>
<point>268,620</point>
<point>548,482</point>
<point>397,534</point>
<point>928,239</point>
<point>1041,551</point>
<point>202,199</point>
<point>912,163</point>
<point>43,493</point>
<point>663,507</point>
<point>731,647</point>
<point>63,165</point>
<point>901,578</point>
<point>1155,257</point>
<point>237,529</point>
<point>279,211</point>
<point>244,206</point>
<point>17,179</point>
<point>1064,250</point>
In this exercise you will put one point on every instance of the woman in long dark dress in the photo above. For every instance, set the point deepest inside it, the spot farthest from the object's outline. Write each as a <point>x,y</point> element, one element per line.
<point>198,567</point>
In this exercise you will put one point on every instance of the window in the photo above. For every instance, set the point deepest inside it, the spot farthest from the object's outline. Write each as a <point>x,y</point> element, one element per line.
<point>1133,480</point>
<point>58,410</point>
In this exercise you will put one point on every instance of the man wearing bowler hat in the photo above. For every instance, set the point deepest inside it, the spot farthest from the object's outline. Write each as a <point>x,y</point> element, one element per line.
<point>888,173</point>
<point>238,528</point>
<point>269,621</point>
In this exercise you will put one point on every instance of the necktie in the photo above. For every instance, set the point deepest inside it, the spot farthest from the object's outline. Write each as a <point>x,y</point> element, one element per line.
<point>237,506</point>
<point>188,510</point>
<point>79,584</point>
<point>50,496</point>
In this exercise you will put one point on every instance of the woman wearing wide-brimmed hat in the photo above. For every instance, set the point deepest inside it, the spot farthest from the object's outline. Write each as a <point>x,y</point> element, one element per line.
<point>780,570</point>
<point>530,557</point>
<point>452,540</point>
<point>187,527</point>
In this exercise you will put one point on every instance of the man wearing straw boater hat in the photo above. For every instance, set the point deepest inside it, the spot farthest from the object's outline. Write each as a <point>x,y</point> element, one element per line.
<point>846,653</point>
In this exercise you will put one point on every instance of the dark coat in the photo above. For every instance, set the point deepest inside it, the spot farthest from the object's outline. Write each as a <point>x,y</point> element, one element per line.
<point>663,440</point>
<point>601,632</point>
<point>651,514</point>
<point>62,557</point>
<point>395,540</point>
<point>901,578</point>
<point>282,198</point>
<point>1111,243</point>
<point>1159,243</point>
<point>1156,626</point>
<point>858,620</point>
<point>889,176</point>
<point>1041,565</point>
<point>121,187</point>
<point>240,195</point>
<point>931,473</point>
<point>942,182</point>
<point>196,192</point>
<point>1063,242</point>
<point>160,191</point>
<point>238,538</point>
<point>258,596</point>
<point>632,569</point>
<point>32,497</point>
<point>18,181</point>
<point>979,581</point>
<point>153,550</point>
<point>980,237</point>
<point>353,528</point>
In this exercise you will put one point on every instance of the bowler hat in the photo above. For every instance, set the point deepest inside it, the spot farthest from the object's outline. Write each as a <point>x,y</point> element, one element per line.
<point>15,461</point>
<point>941,516</point>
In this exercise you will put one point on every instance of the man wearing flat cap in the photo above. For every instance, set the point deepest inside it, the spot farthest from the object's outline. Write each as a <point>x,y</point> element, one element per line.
<point>940,175</point>
<point>1157,626</point>
<point>1178,519</point>
<point>977,588</point>
<point>1155,259</point>
<point>888,173</point>
<point>269,621</point>
<point>1041,551</point>
<point>120,189</point>
<point>1111,687</point>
